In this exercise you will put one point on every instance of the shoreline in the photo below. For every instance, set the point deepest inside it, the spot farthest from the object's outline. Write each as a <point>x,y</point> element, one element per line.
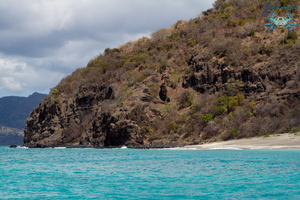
<point>278,141</point>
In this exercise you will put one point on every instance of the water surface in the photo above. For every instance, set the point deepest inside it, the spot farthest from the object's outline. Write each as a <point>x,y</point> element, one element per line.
<point>149,174</point>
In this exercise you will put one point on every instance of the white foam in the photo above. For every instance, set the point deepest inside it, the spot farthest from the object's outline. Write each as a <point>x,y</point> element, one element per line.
<point>183,148</point>
<point>225,148</point>
<point>22,147</point>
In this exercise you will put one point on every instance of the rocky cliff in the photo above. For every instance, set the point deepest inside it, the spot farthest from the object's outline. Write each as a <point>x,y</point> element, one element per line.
<point>216,77</point>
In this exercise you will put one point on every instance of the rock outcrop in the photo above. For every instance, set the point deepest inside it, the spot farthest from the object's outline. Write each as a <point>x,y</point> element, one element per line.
<point>85,120</point>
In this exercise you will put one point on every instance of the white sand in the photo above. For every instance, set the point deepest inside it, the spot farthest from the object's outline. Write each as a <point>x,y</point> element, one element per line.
<point>282,141</point>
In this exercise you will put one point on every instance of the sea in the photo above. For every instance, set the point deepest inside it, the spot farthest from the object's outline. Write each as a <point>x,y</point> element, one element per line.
<point>59,173</point>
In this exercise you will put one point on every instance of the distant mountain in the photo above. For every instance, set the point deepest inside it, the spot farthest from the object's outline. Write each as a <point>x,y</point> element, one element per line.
<point>14,111</point>
<point>10,136</point>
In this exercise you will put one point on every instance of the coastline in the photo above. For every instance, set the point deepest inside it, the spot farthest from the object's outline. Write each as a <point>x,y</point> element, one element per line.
<point>278,141</point>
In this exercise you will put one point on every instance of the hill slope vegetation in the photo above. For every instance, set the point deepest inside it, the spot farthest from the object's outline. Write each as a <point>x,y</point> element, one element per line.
<point>219,76</point>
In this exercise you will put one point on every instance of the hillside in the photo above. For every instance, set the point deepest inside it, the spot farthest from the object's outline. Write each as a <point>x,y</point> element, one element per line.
<point>14,111</point>
<point>219,76</point>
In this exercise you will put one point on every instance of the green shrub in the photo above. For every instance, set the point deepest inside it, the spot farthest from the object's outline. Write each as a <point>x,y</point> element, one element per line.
<point>167,108</point>
<point>253,9</point>
<point>225,5</point>
<point>232,103</point>
<point>196,107</point>
<point>191,42</point>
<point>251,106</point>
<point>173,126</point>
<point>224,15</point>
<point>291,38</point>
<point>266,49</point>
<point>231,23</point>
<point>185,99</point>
<point>233,132</point>
<point>183,117</point>
<point>223,104</point>
<point>151,134</point>
<point>207,118</point>
<point>240,98</point>
<point>252,32</point>
<point>55,91</point>
<point>241,22</point>
<point>227,104</point>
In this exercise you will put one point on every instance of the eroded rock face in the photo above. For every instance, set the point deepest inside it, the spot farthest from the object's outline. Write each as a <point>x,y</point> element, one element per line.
<point>96,117</point>
<point>163,94</point>
<point>84,121</point>
<point>213,77</point>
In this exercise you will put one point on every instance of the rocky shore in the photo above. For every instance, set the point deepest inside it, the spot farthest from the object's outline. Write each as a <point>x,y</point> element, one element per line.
<point>147,146</point>
<point>276,141</point>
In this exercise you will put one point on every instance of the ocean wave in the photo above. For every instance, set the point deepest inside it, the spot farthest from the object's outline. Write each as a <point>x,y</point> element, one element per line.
<point>22,147</point>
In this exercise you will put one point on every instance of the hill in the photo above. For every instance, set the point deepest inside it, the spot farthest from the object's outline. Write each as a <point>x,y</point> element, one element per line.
<point>15,110</point>
<point>13,114</point>
<point>9,136</point>
<point>219,76</point>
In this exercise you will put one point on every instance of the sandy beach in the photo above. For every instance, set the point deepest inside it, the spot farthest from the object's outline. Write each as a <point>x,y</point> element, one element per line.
<point>278,141</point>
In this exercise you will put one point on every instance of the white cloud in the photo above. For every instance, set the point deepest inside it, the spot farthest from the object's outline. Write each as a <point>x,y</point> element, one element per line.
<point>11,84</point>
<point>18,78</point>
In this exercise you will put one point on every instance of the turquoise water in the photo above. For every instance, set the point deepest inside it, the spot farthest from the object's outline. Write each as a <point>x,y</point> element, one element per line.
<point>149,174</point>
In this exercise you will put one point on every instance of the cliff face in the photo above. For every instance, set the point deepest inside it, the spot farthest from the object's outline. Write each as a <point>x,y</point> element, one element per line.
<point>217,77</point>
<point>85,120</point>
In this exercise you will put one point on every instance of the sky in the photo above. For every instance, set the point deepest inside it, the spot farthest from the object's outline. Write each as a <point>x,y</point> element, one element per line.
<point>43,41</point>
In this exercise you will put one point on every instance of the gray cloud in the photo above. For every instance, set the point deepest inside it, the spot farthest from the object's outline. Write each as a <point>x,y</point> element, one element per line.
<point>43,41</point>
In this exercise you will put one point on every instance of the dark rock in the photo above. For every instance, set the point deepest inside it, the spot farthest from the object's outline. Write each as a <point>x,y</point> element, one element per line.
<point>147,98</point>
<point>13,146</point>
<point>163,94</point>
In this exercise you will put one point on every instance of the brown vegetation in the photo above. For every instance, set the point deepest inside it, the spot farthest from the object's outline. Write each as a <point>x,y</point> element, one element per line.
<point>218,76</point>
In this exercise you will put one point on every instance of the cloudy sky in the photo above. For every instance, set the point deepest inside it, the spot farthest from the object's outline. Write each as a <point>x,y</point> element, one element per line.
<point>42,41</point>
